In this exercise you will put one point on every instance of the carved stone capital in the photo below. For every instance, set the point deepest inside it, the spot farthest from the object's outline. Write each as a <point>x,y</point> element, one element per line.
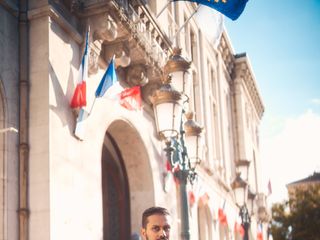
<point>137,75</point>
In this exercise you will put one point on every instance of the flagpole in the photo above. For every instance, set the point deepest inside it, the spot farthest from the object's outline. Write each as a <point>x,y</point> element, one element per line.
<point>185,23</point>
<point>92,106</point>
<point>165,6</point>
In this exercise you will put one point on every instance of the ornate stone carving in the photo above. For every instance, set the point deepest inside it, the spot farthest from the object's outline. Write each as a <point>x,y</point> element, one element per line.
<point>77,5</point>
<point>137,75</point>
<point>242,72</point>
<point>148,91</point>
<point>226,53</point>
<point>93,62</point>
<point>105,28</point>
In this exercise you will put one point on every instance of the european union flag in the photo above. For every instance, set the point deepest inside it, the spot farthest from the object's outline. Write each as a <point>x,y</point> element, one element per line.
<point>230,8</point>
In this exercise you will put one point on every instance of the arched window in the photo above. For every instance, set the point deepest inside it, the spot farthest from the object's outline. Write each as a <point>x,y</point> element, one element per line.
<point>205,222</point>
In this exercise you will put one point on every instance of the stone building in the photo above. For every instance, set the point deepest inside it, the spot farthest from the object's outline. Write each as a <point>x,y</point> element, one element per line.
<point>303,184</point>
<point>54,186</point>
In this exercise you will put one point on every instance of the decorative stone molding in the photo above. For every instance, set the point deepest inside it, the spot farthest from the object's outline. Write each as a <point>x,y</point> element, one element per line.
<point>93,61</point>
<point>226,52</point>
<point>54,14</point>
<point>137,75</point>
<point>105,28</point>
<point>149,90</point>
<point>121,51</point>
<point>77,5</point>
<point>242,72</point>
<point>146,32</point>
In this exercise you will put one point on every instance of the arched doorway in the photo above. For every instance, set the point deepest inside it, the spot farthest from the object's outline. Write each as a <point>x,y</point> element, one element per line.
<point>127,179</point>
<point>115,193</point>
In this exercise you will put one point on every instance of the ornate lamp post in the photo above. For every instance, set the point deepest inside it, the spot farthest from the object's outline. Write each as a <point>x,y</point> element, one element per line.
<point>240,188</point>
<point>262,210</point>
<point>243,168</point>
<point>178,68</point>
<point>182,140</point>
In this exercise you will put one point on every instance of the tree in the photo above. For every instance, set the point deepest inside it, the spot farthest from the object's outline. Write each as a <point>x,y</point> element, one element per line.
<point>298,219</point>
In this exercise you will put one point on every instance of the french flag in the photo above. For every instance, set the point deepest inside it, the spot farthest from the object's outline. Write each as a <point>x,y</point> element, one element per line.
<point>109,84</point>
<point>130,98</point>
<point>79,98</point>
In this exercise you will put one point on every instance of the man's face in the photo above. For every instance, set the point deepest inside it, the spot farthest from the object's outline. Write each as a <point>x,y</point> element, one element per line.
<point>158,228</point>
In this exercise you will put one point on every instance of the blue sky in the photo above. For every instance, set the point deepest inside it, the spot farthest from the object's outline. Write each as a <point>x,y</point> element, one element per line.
<point>282,40</point>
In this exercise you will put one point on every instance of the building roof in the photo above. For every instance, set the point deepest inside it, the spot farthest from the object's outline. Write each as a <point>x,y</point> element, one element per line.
<point>312,178</point>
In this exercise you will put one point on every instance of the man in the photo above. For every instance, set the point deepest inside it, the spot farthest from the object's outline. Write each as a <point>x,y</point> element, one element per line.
<point>155,224</point>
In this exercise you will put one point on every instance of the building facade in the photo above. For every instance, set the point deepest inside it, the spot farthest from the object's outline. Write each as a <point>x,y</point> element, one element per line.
<point>303,184</point>
<point>55,186</point>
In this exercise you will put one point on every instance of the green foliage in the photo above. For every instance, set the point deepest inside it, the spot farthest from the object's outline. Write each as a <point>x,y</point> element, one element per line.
<point>302,221</point>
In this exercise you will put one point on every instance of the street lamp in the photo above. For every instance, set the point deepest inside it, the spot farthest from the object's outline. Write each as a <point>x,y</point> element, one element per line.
<point>193,141</point>
<point>243,168</point>
<point>182,140</point>
<point>262,210</point>
<point>240,188</point>
<point>167,104</point>
<point>179,69</point>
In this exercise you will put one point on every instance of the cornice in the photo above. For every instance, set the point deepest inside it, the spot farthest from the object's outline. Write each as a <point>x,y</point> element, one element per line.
<point>242,70</point>
<point>238,66</point>
<point>226,52</point>
<point>50,11</point>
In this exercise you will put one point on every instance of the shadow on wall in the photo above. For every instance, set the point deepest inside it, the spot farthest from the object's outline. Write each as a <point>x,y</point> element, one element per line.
<point>66,117</point>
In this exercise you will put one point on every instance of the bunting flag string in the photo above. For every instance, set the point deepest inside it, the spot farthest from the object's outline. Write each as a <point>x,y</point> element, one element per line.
<point>238,229</point>
<point>222,217</point>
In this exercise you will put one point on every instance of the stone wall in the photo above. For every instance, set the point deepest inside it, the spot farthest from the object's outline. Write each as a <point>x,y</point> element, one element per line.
<point>9,91</point>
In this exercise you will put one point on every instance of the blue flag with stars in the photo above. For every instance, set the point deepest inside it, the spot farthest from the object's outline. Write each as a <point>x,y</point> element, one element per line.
<point>230,8</point>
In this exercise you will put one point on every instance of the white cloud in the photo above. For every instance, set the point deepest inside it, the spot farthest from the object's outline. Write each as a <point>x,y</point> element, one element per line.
<point>291,154</point>
<point>316,101</point>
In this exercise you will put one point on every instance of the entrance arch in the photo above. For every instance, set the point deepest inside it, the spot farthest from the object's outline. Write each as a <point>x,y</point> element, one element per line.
<point>127,181</point>
<point>115,193</point>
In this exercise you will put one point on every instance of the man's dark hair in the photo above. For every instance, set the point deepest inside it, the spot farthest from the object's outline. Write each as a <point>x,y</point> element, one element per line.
<point>153,211</point>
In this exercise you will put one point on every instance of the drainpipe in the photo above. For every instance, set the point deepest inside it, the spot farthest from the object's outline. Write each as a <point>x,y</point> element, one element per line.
<point>23,210</point>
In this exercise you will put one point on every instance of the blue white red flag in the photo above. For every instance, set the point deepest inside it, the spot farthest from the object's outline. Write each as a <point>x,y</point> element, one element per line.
<point>79,98</point>
<point>230,8</point>
<point>130,98</point>
<point>109,84</point>
<point>79,131</point>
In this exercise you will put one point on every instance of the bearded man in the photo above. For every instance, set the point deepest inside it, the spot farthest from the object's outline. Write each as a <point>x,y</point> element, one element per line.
<point>155,224</point>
